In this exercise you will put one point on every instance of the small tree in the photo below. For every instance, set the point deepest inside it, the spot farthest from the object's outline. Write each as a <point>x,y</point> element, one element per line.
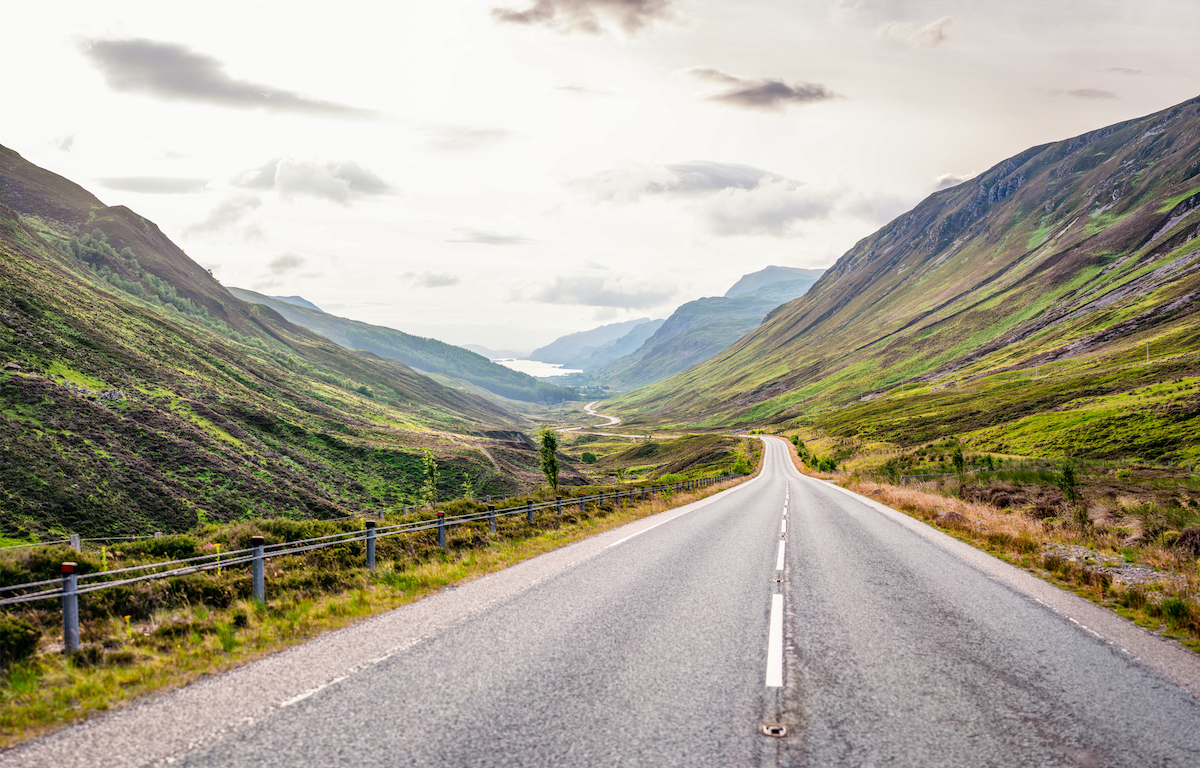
<point>550,456</point>
<point>1066,483</point>
<point>960,461</point>
<point>468,490</point>
<point>587,457</point>
<point>430,472</point>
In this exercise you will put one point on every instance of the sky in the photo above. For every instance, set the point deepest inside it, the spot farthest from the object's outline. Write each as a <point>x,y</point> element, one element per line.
<point>504,172</point>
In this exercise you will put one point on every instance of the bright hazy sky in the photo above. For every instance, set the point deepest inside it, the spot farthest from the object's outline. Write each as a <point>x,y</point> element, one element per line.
<point>502,172</point>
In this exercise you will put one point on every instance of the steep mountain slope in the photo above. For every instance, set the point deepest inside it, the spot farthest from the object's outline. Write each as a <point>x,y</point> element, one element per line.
<point>418,352</point>
<point>1083,247</point>
<point>136,394</point>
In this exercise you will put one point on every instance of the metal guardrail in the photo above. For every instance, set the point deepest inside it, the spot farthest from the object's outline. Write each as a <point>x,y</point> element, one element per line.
<point>74,584</point>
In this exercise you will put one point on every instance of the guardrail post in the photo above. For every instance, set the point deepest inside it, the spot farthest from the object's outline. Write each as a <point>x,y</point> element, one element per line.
<point>529,510</point>
<point>442,529</point>
<point>559,500</point>
<point>76,544</point>
<point>492,518</point>
<point>70,606</point>
<point>260,587</point>
<point>582,505</point>
<point>370,545</point>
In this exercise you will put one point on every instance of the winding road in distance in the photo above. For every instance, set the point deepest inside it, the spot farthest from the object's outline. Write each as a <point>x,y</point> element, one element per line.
<point>859,635</point>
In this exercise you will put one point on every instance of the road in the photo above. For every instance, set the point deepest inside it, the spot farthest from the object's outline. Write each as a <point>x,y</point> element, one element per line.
<point>784,603</point>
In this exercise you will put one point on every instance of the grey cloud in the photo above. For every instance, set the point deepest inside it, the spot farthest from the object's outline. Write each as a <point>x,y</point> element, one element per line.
<point>589,16</point>
<point>64,144</point>
<point>695,178</point>
<point>761,93</point>
<point>947,180</point>
<point>1088,93</point>
<point>431,279</point>
<point>340,182</point>
<point>155,185</point>
<point>228,212</point>
<point>285,263</point>
<point>1125,71</point>
<point>487,238</point>
<point>926,38</point>
<point>591,292</point>
<point>701,176</point>
<point>175,72</point>
<point>464,138</point>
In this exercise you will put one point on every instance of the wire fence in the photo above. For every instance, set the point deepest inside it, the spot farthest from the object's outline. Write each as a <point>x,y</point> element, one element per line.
<point>72,584</point>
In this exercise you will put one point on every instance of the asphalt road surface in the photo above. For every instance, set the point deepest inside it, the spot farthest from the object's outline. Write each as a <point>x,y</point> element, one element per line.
<point>852,634</point>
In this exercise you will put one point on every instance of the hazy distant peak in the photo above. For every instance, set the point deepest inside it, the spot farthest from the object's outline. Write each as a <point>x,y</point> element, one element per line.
<point>753,282</point>
<point>299,302</point>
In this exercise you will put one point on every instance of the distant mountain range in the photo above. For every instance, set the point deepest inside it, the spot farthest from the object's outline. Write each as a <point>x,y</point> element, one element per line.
<point>492,354</point>
<point>623,356</point>
<point>1083,250</point>
<point>590,349</point>
<point>422,354</point>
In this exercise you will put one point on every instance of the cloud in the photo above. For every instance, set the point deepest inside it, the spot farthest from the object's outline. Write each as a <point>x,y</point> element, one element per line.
<point>175,72</point>
<point>65,143</point>
<point>772,208</point>
<point>588,16</point>
<point>228,212</point>
<point>154,185</point>
<point>284,263</point>
<point>582,90</point>
<point>762,93</point>
<point>431,279</point>
<point>732,199</point>
<point>947,180</point>
<point>590,292</point>
<point>340,182</point>
<point>1124,71</point>
<point>464,138</point>
<point>1087,93</point>
<point>924,38</point>
<point>877,208</point>
<point>695,178</point>
<point>488,238</point>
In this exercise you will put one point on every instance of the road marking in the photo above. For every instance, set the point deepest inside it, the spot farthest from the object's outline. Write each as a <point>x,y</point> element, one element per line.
<point>783,527</point>
<point>775,641</point>
<point>779,558</point>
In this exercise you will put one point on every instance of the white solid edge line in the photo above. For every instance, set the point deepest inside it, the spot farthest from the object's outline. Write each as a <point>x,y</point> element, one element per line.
<point>775,643</point>
<point>779,558</point>
<point>681,511</point>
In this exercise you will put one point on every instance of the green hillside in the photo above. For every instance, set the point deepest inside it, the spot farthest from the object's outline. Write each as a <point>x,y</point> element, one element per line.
<point>418,352</point>
<point>136,394</point>
<point>1072,255</point>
